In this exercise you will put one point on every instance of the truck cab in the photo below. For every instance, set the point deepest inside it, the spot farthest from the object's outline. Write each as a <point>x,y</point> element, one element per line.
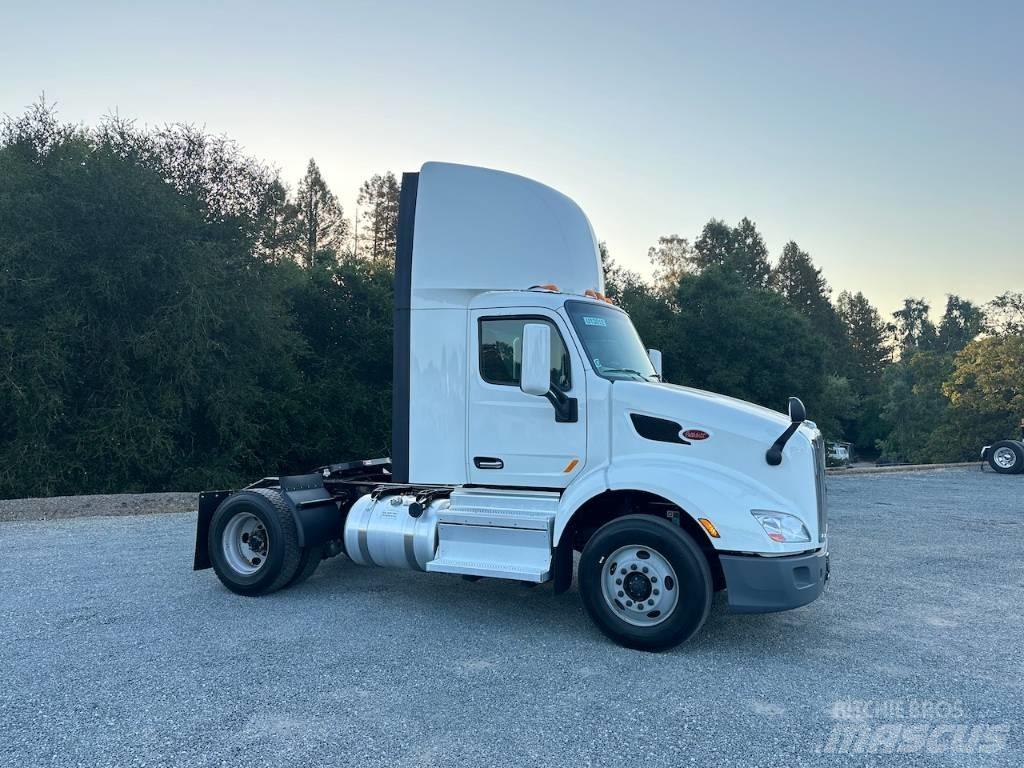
<point>531,425</point>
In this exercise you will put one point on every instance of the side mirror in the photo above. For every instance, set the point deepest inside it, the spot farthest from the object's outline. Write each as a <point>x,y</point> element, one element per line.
<point>535,375</point>
<point>797,412</point>
<point>655,356</point>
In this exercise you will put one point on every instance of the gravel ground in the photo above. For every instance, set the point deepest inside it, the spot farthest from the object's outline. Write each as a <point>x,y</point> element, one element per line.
<point>113,653</point>
<point>104,505</point>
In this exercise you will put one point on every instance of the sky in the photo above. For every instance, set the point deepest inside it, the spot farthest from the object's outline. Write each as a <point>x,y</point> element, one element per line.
<point>886,139</point>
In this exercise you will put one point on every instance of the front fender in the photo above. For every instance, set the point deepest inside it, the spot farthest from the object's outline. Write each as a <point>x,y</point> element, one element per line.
<point>701,489</point>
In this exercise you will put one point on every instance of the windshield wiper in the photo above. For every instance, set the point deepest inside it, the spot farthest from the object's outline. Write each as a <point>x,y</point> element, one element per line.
<point>628,370</point>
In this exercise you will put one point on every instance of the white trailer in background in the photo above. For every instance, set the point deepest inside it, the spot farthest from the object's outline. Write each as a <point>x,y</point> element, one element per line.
<point>529,423</point>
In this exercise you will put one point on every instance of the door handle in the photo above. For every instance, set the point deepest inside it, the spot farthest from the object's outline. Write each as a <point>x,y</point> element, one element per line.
<point>488,462</point>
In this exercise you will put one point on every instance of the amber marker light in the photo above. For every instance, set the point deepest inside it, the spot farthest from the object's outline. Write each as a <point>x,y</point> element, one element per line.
<point>708,526</point>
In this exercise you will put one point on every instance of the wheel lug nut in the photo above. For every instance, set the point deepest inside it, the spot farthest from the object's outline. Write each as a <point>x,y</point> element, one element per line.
<point>644,569</point>
<point>650,602</point>
<point>657,592</point>
<point>654,579</point>
<point>621,593</point>
<point>623,571</point>
<point>632,567</point>
<point>629,603</point>
<point>618,581</point>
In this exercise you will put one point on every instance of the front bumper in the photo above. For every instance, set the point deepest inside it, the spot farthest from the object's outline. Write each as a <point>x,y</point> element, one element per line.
<point>765,584</point>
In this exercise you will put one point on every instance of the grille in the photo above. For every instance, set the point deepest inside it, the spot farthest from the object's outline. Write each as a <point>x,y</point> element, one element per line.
<point>819,486</point>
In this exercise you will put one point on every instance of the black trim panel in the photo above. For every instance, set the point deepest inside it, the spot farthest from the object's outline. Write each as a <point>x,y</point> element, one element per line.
<point>659,430</point>
<point>403,303</point>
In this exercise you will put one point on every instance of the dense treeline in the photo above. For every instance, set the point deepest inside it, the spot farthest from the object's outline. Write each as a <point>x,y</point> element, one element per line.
<point>173,316</point>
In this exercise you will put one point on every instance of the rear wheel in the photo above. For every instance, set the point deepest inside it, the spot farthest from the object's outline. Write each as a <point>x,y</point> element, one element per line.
<point>1007,457</point>
<point>645,583</point>
<point>253,544</point>
<point>311,557</point>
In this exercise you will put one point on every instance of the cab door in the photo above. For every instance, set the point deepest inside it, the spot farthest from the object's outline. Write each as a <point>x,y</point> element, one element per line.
<point>513,439</point>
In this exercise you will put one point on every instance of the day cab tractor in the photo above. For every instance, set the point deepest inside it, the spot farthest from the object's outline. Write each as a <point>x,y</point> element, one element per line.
<point>529,425</point>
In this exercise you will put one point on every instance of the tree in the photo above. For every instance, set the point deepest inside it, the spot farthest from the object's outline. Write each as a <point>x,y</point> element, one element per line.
<point>961,322</point>
<point>801,283</point>
<point>866,334</point>
<point>1006,314</point>
<point>915,406</point>
<point>836,408</point>
<point>671,258</point>
<point>913,329</point>
<point>749,255</point>
<point>714,245</point>
<point>142,343</point>
<point>746,343</point>
<point>378,203</point>
<point>740,249</point>
<point>986,390</point>
<point>320,218</point>
<point>804,288</point>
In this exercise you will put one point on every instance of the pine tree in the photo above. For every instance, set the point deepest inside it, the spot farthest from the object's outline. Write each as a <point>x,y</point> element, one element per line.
<point>378,204</point>
<point>321,222</point>
<point>961,322</point>
<point>740,249</point>
<point>714,245</point>
<point>866,333</point>
<point>749,256</point>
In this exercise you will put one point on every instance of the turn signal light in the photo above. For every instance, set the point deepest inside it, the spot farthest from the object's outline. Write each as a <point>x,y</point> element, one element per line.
<point>709,527</point>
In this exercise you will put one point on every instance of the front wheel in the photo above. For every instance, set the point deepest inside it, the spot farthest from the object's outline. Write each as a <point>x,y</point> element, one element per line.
<point>1007,457</point>
<point>645,583</point>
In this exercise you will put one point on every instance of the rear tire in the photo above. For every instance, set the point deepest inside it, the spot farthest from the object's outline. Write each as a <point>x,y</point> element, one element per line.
<point>308,562</point>
<point>631,600</point>
<point>1007,457</point>
<point>253,543</point>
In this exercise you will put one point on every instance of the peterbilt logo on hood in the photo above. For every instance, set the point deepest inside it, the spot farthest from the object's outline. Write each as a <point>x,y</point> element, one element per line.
<point>694,434</point>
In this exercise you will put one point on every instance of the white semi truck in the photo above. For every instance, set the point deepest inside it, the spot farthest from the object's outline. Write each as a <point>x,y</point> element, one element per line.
<point>529,424</point>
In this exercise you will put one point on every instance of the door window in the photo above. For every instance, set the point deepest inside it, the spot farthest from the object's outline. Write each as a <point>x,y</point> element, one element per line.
<point>501,352</point>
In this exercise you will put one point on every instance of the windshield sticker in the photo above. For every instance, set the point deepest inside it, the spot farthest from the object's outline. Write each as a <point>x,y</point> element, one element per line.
<point>595,321</point>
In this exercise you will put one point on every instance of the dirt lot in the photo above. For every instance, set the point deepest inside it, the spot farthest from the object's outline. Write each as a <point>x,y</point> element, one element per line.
<point>115,653</point>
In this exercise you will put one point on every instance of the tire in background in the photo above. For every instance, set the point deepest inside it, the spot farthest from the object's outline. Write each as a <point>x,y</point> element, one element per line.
<point>274,521</point>
<point>682,553</point>
<point>1007,457</point>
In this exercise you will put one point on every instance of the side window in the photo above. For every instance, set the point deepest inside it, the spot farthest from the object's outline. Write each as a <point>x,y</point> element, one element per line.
<point>501,352</point>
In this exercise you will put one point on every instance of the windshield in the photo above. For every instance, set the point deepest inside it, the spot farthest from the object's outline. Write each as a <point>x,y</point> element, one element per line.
<point>611,342</point>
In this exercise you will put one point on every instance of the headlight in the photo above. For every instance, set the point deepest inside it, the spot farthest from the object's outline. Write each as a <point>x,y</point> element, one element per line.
<point>780,527</point>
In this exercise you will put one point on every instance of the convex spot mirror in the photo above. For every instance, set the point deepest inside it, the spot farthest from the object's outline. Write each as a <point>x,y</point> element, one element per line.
<point>797,412</point>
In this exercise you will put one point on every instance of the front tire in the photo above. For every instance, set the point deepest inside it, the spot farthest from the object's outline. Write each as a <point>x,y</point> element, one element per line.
<point>254,544</point>
<point>645,583</point>
<point>1007,457</point>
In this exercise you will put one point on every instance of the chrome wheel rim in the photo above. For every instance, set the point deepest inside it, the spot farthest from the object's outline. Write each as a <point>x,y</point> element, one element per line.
<point>639,585</point>
<point>1005,457</point>
<point>246,543</point>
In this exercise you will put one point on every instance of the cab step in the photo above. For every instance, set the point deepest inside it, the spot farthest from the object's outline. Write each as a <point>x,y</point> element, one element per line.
<point>500,535</point>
